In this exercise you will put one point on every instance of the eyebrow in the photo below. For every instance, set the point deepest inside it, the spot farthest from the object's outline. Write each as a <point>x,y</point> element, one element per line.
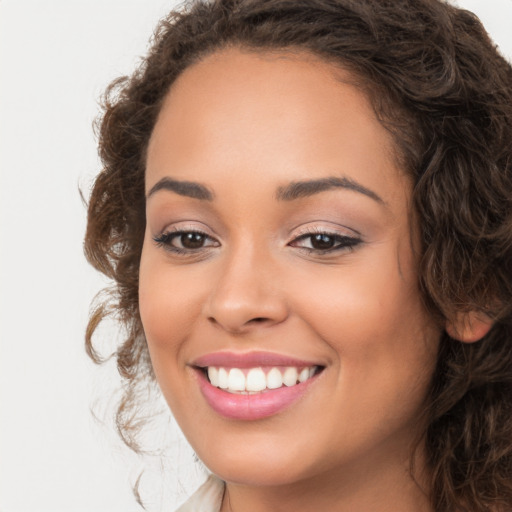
<point>183,188</point>
<point>300,189</point>
<point>290,192</point>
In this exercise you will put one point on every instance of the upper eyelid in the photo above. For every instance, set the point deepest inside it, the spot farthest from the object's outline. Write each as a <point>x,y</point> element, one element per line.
<point>187,227</point>
<point>303,231</point>
<point>327,233</point>
<point>345,232</point>
<point>301,234</point>
<point>338,236</point>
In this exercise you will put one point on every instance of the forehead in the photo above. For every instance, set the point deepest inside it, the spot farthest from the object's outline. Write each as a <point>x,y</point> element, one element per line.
<point>240,113</point>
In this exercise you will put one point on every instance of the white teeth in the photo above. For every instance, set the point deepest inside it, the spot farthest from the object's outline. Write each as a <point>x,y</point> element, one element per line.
<point>290,376</point>
<point>274,379</point>
<point>255,380</point>
<point>303,375</point>
<point>236,380</point>
<point>223,379</point>
<point>213,375</point>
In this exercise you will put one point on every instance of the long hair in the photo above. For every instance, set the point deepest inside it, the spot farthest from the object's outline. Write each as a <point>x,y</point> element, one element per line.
<point>441,88</point>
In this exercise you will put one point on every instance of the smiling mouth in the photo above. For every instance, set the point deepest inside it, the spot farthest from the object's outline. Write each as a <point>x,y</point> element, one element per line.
<point>248,381</point>
<point>255,385</point>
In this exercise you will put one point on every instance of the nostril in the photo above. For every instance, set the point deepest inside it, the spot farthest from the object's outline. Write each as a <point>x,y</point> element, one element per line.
<point>253,321</point>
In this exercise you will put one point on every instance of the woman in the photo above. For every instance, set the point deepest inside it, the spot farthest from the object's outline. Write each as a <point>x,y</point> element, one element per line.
<point>306,209</point>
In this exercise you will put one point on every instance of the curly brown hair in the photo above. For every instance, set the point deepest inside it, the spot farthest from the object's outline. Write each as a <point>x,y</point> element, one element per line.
<point>439,85</point>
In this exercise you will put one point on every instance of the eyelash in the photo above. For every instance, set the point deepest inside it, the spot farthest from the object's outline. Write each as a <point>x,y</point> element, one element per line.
<point>341,242</point>
<point>165,240</point>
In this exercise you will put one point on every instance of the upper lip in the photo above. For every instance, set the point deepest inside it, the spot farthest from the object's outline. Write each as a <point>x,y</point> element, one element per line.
<point>250,360</point>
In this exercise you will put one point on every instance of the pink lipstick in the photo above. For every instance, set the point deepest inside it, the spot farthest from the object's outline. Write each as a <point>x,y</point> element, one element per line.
<point>253,385</point>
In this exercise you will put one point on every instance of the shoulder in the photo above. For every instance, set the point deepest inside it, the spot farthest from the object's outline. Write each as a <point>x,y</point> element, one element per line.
<point>208,498</point>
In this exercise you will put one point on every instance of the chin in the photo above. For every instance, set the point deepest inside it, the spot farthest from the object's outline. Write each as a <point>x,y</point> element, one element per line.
<point>260,459</point>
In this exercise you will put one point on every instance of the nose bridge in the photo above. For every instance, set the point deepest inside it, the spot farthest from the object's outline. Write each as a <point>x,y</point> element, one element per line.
<point>246,293</point>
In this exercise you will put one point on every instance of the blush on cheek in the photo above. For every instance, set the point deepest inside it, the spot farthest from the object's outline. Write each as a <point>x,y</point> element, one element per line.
<point>167,317</point>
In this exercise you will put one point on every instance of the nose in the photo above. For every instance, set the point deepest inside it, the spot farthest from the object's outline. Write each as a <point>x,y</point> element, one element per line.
<point>247,293</point>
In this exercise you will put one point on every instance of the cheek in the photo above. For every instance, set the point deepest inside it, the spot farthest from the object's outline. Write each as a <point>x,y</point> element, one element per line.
<point>371,312</point>
<point>168,303</point>
<point>168,307</point>
<point>382,342</point>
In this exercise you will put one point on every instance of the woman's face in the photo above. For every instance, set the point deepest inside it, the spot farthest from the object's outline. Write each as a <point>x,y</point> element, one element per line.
<point>279,258</point>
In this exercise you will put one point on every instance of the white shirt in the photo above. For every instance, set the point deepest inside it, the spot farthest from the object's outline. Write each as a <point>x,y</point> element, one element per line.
<point>208,498</point>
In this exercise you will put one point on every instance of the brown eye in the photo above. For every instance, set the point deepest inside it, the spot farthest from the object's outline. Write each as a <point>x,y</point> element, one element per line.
<point>322,242</point>
<point>191,240</point>
<point>182,242</point>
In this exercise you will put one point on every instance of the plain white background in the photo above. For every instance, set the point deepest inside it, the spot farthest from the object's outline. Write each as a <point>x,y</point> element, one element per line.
<point>56,58</point>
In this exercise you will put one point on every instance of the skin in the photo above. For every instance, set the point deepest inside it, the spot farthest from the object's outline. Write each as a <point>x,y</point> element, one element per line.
<point>246,124</point>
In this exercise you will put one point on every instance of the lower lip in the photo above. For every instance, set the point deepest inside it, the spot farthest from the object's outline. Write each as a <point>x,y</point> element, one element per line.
<point>251,407</point>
